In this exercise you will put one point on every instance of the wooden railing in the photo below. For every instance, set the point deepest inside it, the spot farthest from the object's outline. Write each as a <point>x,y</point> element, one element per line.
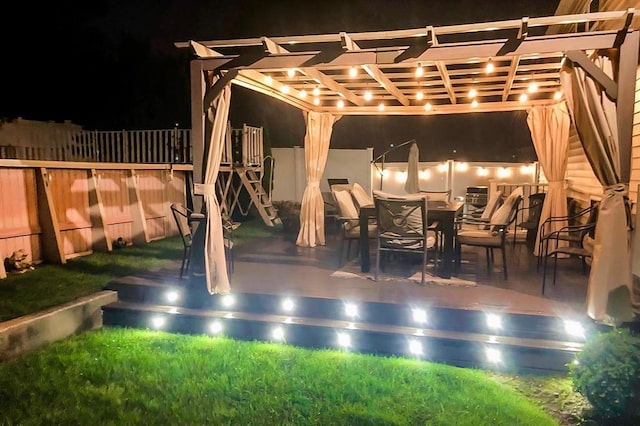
<point>167,146</point>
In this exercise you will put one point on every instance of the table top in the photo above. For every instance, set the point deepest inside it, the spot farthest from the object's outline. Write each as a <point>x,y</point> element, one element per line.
<point>451,206</point>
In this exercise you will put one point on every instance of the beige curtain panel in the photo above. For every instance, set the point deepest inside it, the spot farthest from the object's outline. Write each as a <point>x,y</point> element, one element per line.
<point>412,185</point>
<point>214,256</point>
<point>609,295</point>
<point>549,126</point>
<point>316,150</point>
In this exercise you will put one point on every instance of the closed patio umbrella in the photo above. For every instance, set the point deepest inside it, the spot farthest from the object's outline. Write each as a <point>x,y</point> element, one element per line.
<point>412,184</point>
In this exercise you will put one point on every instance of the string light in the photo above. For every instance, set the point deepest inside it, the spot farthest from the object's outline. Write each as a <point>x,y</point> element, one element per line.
<point>316,101</point>
<point>474,104</point>
<point>428,106</point>
<point>523,98</point>
<point>473,93</point>
<point>284,88</point>
<point>316,91</point>
<point>303,93</point>
<point>291,73</point>
<point>268,80</point>
<point>419,71</point>
<point>340,103</point>
<point>533,87</point>
<point>489,68</point>
<point>557,95</point>
<point>419,96</point>
<point>368,95</point>
<point>353,71</point>
<point>381,107</point>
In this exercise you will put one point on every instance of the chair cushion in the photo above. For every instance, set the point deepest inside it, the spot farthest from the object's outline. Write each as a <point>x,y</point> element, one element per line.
<point>501,216</point>
<point>480,237</point>
<point>347,208</point>
<point>360,195</point>
<point>437,195</point>
<point>490,208</point>
<point>354,231</point>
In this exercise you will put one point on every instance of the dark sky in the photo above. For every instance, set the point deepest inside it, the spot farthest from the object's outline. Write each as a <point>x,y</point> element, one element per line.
<point>111,64</point>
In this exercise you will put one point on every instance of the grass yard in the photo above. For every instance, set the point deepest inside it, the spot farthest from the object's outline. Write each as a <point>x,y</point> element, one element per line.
<point>52,285</point>
<point>119,376</point>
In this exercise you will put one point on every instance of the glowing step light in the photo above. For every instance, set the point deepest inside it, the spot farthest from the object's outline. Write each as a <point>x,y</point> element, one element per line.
<point>228,301</point>
<point>288,305</point>
<point>351,310</point>
<point>172,296</point>
<point>493,355</point>
<point>344,340</point>
<point>216,327</point>
<point>419,315</point>
<point>278,334</point>
<point>157,322</point>
<point>574,328</point>
<point>415,348</point>
<point>494,321</point>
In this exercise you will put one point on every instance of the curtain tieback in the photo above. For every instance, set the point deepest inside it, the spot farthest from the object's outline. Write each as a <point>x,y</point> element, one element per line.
<point>313,184</point>
<point>556,184</point>
<point>204,189</point>
<point>621,189</point>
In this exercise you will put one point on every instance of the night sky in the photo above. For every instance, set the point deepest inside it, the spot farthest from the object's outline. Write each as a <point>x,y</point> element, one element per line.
<point>111,65</point>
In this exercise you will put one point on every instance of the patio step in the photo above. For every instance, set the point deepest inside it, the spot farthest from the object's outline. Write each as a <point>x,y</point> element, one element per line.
<point>454,336</point>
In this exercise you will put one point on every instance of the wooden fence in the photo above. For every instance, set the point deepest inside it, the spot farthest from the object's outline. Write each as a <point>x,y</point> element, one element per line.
<point>59,210</point>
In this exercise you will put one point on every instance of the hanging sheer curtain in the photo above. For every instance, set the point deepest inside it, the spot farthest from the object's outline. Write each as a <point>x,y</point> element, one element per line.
<point>412,185</point>
<point>316,150</point>
<point>609,296</point>
<point>549,126</point>
<point>214,257</point>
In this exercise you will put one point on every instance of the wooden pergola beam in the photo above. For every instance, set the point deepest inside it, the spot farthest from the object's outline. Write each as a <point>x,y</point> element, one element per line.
<point>275,49</point>
<point>610,86</point>
<point>375,72</point>
<point>510,77</point>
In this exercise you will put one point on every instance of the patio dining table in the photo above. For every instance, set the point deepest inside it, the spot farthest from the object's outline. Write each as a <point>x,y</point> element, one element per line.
<point>444,212</point>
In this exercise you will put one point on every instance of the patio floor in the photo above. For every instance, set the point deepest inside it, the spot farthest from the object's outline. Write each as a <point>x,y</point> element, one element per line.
<point>277,266</point>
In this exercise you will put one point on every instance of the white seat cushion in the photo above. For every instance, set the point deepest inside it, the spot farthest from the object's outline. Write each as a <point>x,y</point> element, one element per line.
<point>501,216</point>
<point>346,206</point>
<point>491,205</point>
<point>360,195</point>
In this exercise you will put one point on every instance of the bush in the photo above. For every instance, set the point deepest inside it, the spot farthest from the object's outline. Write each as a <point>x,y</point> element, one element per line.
<point>607,373</point>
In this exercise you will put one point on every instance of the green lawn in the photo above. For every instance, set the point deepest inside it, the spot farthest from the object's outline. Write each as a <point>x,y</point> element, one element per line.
<point>52,285</point>
<point>118,376</point>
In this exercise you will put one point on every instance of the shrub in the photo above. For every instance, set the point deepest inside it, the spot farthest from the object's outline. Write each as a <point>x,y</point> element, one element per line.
<point>607,373</point>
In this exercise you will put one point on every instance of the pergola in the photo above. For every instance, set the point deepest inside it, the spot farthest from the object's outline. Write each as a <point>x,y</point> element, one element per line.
<point>481,67</point>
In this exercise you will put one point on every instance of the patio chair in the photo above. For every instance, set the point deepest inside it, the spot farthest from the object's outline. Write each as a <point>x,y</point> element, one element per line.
<point>531,223</point>
<point>184,217</point>
<point>348,220</point>
<point>575,235</point>
<point>403,227</point>
<point>583,217</point>
<point>489,235</point>
<point>437,195</point>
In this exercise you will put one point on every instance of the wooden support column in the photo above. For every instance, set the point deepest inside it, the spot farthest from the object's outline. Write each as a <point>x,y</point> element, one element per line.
<point>51,239</point>
<point>628,66</point>
<point>139,233</point>
<point>197,126</point>
<point>100,240</point>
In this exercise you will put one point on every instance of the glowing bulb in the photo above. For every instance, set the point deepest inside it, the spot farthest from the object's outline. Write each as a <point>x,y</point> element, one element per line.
<point>473,93</point>
<point>291,72</point>
<point>419,96</point>
<point>493,355</point>
<point>303,93</point>
<point>351,310</point>
<point>344,340</point>
<point>284,88</point>
<point>381,107</point>
<point>483,171</point>
<point>490,67</point>
<point>419,315</point>
<point>401,177</point>
<point>557,95</point>
<point>419,71</point>
<point>368,95</point>
<point>526,169</point>
<point>442,167</point>
<point>158,322</point>
<point>428,106</point>
<point>574,328</point>
<point>494,321</point>
<point>424,174</point>
<point>523,98</point>
<point>533,87</point>
<point>228,301</point>
<point>353,72</point>
<point>316,91</point>
<point>172,296</point>
<point>268,80</point>
<point>415,347</point>
<point>287,305</point>
<point>340,103</point>
<point>277,333</point>
<point>462,167</point>
<point>316,101</point>
<point>474,104</point>
<point>215,327</point>
<point>504,172</point>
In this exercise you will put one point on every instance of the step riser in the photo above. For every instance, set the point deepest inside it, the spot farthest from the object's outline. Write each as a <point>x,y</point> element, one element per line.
<point>440,318</point>
<point>450,351</point>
